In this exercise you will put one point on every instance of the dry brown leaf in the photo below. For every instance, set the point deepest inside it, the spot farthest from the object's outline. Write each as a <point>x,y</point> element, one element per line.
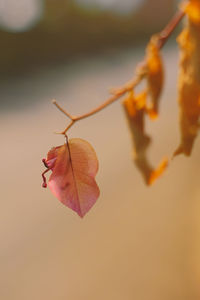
<point>189,78</point>
<point>135,109</point>
<point>155,75</point>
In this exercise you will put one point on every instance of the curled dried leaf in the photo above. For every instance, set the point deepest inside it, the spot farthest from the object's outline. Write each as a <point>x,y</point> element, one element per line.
<point>189,79</point>
<point>155,75</point>
<point>135,109</point>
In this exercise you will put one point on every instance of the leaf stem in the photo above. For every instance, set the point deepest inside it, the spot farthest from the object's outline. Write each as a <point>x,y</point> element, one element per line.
<point>170,27</point>
<point>140,73</point>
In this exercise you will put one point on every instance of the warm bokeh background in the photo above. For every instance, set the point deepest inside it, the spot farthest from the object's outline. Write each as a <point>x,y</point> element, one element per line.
<point>137,242</point>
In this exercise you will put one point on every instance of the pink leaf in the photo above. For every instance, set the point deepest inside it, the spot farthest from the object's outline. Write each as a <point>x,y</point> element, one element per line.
<point>74,166</point>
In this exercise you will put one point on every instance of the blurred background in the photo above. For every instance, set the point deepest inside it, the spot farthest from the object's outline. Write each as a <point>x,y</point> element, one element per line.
<point>136,242</point>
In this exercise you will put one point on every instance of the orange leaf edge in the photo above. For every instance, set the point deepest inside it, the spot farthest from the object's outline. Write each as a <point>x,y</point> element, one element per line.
<point>159,171</point>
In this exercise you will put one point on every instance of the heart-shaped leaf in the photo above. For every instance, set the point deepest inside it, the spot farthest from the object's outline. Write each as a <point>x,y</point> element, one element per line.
<point>74,166</point>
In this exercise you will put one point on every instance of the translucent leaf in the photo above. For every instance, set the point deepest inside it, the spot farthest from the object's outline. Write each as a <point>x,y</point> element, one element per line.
<point>73,175</point>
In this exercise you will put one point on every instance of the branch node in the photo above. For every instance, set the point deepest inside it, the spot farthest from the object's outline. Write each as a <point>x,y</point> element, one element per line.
<point>140,73</point>
<point>62,110</point>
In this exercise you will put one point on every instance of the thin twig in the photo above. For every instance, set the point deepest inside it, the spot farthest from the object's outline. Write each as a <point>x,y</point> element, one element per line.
<point>163,36</point>
<point>167,31</point>
<point>61,109</point>
<point>109,101</point>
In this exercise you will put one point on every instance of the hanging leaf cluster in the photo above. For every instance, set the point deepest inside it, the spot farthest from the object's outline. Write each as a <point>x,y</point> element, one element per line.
<point>137,107</point>
<point>74,165</point>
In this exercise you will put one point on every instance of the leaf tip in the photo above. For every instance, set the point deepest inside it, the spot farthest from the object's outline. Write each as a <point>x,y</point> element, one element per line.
<point>153,114</point>
<point>158,172</point>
